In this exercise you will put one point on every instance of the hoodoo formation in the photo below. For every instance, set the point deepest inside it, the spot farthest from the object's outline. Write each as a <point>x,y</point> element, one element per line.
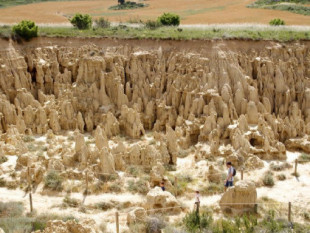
<point>246,104</point>
<point>239,104</point>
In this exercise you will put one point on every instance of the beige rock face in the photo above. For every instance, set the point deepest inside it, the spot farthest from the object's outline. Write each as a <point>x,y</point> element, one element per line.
<point>255,99</point>
<point>158,199</point>
<point>138,215</point>
<point>239,198</point>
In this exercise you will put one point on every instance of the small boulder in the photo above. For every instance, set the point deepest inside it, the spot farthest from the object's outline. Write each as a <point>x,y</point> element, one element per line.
<point>163,201</point>
<point>253,162</point>
<point>214,175</point>
<point>240,198</point>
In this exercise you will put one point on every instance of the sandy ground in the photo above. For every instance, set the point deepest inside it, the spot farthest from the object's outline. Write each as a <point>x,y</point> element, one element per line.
<point>295,190</point>
<point>191,12</point>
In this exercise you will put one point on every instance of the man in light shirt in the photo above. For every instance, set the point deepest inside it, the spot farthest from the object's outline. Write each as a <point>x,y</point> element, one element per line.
<point>230,176</point>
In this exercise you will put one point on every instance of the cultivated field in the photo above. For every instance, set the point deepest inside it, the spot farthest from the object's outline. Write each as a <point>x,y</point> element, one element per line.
<point>191,12</point>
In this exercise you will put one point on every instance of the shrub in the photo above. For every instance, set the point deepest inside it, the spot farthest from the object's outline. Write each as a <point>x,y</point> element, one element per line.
<point>3,159</point>
<point>182,181</point>
<point>2,182</point>
<point>212,188</point>
<point>11,184</point>
<point>28,138</point>
<point>116,187</point>
<point>303,158</point>
<point>271,224</point>
<point>29,224</point>
<point>155,224</point>
<point>53,181</point>
<point>16,224</point>
<point>268,179</point>
<point>108,177</point>
<point>26,29</point>
<point>193,221</point>
<point>11,209</point>
<point>70,202</point>
<point>169,19</point>
<point>104,205</point>
<point>279,166</point>
<point>277,22</point>
<point>139,186</point>
<point>39,223</point>
<point>81,21</point>
<point>134,171</point>
<point>152,24</point>
<point>102,23</point>
<point>281,176</point>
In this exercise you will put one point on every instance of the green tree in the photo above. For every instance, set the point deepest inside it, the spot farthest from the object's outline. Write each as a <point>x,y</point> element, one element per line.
<point>169,19</point>
<point>81,21</point>
<point>26,29</point>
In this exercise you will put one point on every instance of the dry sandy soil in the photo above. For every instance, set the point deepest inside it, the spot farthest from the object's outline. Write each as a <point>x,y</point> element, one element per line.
<point>292,189</point>
<point>191,12</point>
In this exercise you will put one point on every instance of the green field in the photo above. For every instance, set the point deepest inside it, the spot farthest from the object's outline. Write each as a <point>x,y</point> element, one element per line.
<point>294,6</point>
<point>122,31</point>
<point>8,3</point>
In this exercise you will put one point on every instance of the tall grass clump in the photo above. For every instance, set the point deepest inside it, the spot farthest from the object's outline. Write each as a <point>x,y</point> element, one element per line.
<point>152,24</point>
<point>102,23</point>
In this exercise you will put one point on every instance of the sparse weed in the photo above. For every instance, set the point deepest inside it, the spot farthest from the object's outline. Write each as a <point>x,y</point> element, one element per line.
<point>70,202</point>
<point>140,186</point>
<point>212,188</point>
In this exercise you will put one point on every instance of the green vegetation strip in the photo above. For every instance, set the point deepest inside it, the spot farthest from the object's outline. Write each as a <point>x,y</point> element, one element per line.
<point>279,34</point>
<point>10,3</point>
<point>294,6</point>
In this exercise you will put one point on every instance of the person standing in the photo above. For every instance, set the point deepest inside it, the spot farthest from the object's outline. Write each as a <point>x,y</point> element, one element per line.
<point>229,182</point>
<point>162,186</point>
<point>197,200</point>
